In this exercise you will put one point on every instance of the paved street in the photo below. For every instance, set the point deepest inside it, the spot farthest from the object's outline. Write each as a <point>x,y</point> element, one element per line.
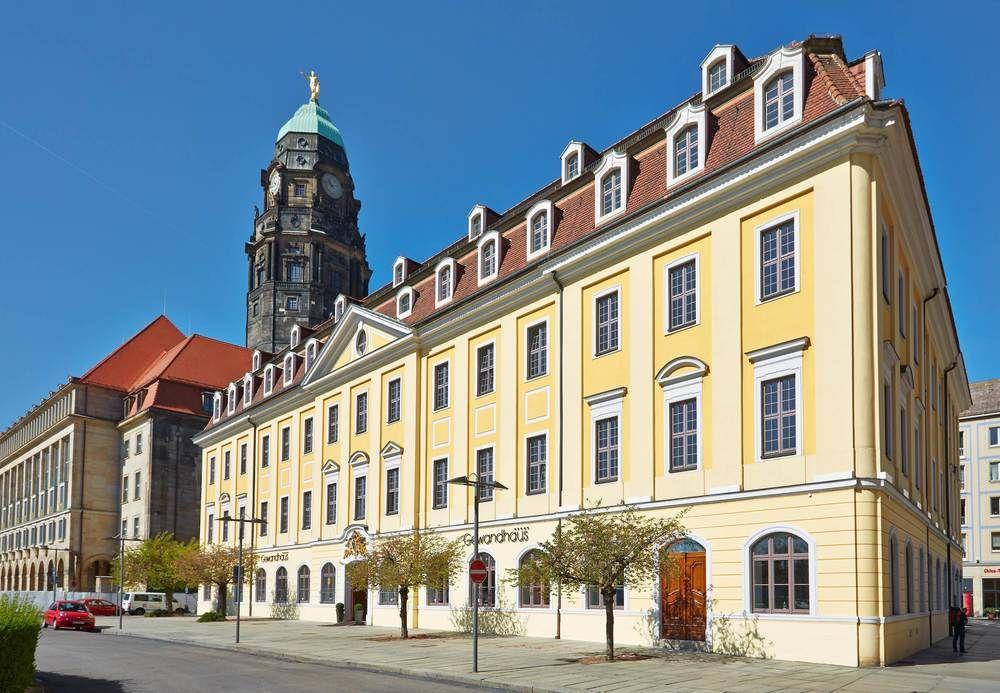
<point>539,664</point>
<point>91,662</point>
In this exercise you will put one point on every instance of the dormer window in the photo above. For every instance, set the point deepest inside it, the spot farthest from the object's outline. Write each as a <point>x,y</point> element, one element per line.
<point>778,93</point>
<point>489,257</point>
<point>231,399</point>
<point>338,307</point>
<point>444,282</point>
<point>288,369</point>
<point>207,402</point>
<point>255,361</point>
<point>361,343</point>
<point>399,271</point>
<point>404,302</point>
<point>718,76</point>
<point>477,222</point>
<point>572,161</point>
<point>312,346</point>
<point>247,390</point>
<point>295,336</point>
<point>539,229</point>
<point>612,186</point>
<point>268,379</point>
<point>217,406</point>
<point>718,67</point>
<point>685,137</point>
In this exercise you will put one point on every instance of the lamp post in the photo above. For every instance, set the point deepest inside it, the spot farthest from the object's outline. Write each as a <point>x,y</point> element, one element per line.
<point>121,539</point>
<point>238,577</point>
<point>477,484</point>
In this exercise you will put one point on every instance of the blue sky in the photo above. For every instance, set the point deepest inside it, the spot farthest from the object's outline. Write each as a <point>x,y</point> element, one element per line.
<point>132,137</point>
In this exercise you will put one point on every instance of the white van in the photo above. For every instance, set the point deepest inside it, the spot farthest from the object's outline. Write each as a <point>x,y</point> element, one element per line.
<point>138,603</point>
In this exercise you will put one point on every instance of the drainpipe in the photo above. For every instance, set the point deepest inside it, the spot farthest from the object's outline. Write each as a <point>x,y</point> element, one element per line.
<point>947,495</point>
<point>253,510</point>
<point>927,434</point>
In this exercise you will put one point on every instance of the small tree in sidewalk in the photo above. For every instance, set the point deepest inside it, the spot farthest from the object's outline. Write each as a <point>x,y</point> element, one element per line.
<point>405,562</point>
<point>602,549</point>
<point>153,565</point>
<point>214,565</point>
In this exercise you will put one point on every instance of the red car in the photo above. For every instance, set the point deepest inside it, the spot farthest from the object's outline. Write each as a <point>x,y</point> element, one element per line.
<point>68,614</point>
<point>100,607</point>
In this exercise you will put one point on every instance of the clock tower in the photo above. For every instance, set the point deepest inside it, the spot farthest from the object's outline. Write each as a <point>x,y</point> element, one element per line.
<point>305,249</point>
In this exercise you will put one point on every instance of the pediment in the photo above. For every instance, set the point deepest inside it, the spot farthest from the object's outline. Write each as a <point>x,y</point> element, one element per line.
<point>340,349</point>
<point>330,467</point>
<point>391,449</point>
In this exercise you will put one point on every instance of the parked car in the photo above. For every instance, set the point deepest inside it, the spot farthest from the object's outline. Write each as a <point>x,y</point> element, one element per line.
<point>100,607</point>
<point>68,614</point>
<point>138,603</point>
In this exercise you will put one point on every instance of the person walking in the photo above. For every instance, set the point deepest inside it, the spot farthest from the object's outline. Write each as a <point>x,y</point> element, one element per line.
<point>958,639</point>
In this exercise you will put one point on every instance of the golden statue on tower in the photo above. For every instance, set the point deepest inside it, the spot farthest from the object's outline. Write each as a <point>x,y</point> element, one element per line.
<point>313,85</point>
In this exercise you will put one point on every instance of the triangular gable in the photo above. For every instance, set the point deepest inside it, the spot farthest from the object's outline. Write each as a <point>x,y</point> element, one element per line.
<point>391,450</point>
<point>338,350</point>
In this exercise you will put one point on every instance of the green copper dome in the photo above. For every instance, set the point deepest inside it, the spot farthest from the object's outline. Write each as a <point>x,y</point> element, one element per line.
<point>312,118</point>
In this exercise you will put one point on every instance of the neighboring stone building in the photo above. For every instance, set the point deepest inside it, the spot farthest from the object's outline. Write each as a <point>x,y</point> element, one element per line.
<point>979,455</point>
<point>62,483</point>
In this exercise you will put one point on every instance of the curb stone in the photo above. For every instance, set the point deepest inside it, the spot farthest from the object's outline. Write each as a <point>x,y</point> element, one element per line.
<point>472,680</point>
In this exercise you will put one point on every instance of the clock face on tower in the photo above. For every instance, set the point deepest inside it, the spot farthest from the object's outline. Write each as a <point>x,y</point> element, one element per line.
<point>275,183</point>
<point>331,185</point>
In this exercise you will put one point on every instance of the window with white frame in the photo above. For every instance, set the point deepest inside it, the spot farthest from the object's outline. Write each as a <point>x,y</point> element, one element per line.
<point>572,166</point>
<point>441,386</point>
<point>994,436</point>
<point>717,75</point>
<point>360,497</point>
<point>392,491</point>
<point>289,369</point>
<point>485,365</point>
<point>682,293</point>
<point>606,434</point>
<point>339,306</point>
<point>255,361</point>
<point>778,92</point>
<point>717,69</point>
<point>295,336</point>
<point>686,142</point>
<point>536,463</point>
<point>779,100</point>
<point>217,405</point>
<point>231,399</point>
<point>537,350</point>
<point>444,278</point>
<point>484,473</point>
<point>440,480</point>
<point>404,302</point>
<point>607,324</point>
<point>778,257</point>
<point>268,379</point>
<point>686,150</point>
<point>489,257</point>
<point>247,390</point>
<point>538,228</point>
<point>361,412</point>
<point>399,271</point>
<point>312,347</point>
<point>886,266</point>
<point>361,343</point>
<point>572,161</point>
<point>394,400</point>
<point>476,222</point>
<point>778,398</point>
<point>611,190</point>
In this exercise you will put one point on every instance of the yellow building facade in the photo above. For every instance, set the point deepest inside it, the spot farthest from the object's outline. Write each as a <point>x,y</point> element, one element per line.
<point>738,310</point>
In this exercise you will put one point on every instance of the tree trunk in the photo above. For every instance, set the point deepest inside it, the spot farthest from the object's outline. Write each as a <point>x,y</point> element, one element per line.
<point>221,607</point>
<point>609,621</point>
<point>404,593</point>
<point>168,595</point>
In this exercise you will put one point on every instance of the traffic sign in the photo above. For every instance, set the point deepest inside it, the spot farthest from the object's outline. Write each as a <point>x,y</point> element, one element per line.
<point>477,571</point>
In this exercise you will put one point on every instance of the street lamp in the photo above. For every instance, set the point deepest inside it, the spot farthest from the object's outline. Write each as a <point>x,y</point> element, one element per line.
<point>121,539</point>
<point>478,484</point>
<point>238,569</point>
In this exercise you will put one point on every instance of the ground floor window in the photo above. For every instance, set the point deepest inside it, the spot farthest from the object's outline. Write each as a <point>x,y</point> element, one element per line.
<point>281,586</point>
<point>991,593</point>
<point>437,596</point>
<point>595,600</point>
<point>487,591</point>
<point>781,574</point>
<point>206,592</point>
<point>303,593</point>
<point>534,594</point>
<point>260,585</point>
<point>327,583</point>
<point>388,596</point>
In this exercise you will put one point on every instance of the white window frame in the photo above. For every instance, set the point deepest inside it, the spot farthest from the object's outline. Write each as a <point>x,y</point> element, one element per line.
<point>354,342</point>
<point>217,405</point>
<point>295,337</point>
<point>388,383</point>
<point>616,289</point>
<point>573,147</point>
<point>354,414</point>
<point>288,369</point>
<point>231,398</point>
<point>255,361</point>
<point>679,388</point>
<point>399,264</point>
<point>312,349</point>
<point>747,561</point>
<point>485,238</point>
<point>989,431</point>
<point>339,307</point>
<point>450,263</point>
<point>757,234</point>
<point>775,362</point>
<point>689,114</point>
<point>719,52</point>
<point>247,390</point>
<point>268,379</point>
<point>548,348</point>
<point>433,383</point>
<point>611,161</point>
<point>697,292</point>
<point>475,385</point>
<point>359,468</point>
<point>537,208</point>
<point>542,433</point>
<point>785,58</point>
<point>405,291</point>
<point>606,405</point>
<point>480,211</point>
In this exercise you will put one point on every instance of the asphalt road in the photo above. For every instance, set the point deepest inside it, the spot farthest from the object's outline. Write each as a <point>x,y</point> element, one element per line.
<point>95,662</point>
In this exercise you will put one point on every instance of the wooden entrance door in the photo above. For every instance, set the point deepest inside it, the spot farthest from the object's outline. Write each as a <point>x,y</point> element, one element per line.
<point>682,598</point>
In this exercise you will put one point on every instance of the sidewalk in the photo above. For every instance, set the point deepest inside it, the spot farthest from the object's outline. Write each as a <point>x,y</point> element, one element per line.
<point>536,664</point>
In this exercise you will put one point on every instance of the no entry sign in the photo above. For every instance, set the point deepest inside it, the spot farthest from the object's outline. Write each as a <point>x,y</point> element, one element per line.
<point>477,571</point>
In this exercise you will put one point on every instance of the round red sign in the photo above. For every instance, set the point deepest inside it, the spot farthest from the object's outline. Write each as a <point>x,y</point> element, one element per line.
<point>477,571</point>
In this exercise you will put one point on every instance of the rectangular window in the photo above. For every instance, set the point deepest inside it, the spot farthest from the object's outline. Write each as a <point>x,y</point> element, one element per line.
<point>360,496</point>
<point>392,491</point>
<point>243,515</point>
<point>395,400</point>
<point>538,350</point>
<point>307,497</point>
<point>243,459</point>
<point>485,358</point>
<point>606,339</point>
<point>300,190</point>
<point>595,600</point>
<point>887,418</point>
<point>226,464</point>
<point>209,529</point>
<point>916,335</point>
<point>137,486</point>
<point>388,596</point>
<point>125,447</point>
<point>683,435</point>
<point>361,413</point>
<point>211,470</point>
<point>331,503</point>
<point>332,423</point>
<point>292,303</point>
<point>995,541</point>
<point>437,596</point>
<point>777,260</point>
<point>440,386</point>
<point>484,470</point>
<point>283,518</point>
<point>961,443</point>
<point>225,526</point>
<point>286,443</point>
<point>263,518</point>
<point>440,483</point>
<point>307,436</point>
<point>138,443</point>
<point>961,511</point>
<point>683,286</point>
<point>995,506</point>
<point>537,459</point>
<point>901,303</point>
<point>265,451</point>
<point>994,436</point>
<point>904,440</point>
<point>125,489</point>
<point>778,417</point>
<point>606,448</point>
<point>886,267</point>
<point>994,471</point>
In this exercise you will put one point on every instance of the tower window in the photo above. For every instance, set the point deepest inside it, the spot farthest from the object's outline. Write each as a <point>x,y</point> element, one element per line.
<point>295,271</point>
<point>300,190</point>
<point>291,302</point>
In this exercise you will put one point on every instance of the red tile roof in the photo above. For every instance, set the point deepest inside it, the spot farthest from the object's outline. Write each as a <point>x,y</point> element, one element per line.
<point>120,369</point>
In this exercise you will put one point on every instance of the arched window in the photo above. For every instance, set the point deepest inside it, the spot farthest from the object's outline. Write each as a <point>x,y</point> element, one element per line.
<point>488,259</point>
<point>231,399</point>
<point>295,336</point>
<point>611,192</point>
<point>311,347</point>
<point>533,593</point>
<point>717,77</point>
<point>268,379</point>
<point>256,361</point>
<point>303,587</point>
<point>361,343</point>
<point>780,574</point>
<point>779,100</point>
<point>686,150</point>
<point>281,586</point>
<point>260,585</point>
<point>444,283</point>
<point>476,225</point>
<point>247,390</point>
<point>894,575</point>
<point>404,302</point>
<point>217,405</point>
<point>539,232</point>
<point>908,567</point>
<point>327,584</point>
<point>488,588</point>
<point>289,368</point>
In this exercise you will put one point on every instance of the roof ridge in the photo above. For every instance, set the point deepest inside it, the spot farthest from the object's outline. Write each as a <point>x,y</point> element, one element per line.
<point>183,344</point>
<point>850,73</point>
<point>128,341</point>
<point>827,79</point>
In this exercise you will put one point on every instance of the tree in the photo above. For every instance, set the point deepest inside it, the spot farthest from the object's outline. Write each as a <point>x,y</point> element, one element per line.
<point>214,565</point>
<point>404,561</point>
<point>153,564</point>
<point>602,549</point>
